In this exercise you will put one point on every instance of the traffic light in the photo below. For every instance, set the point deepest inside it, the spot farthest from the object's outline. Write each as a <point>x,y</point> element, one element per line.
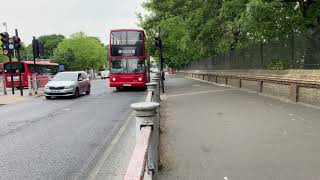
<point>5,43</point>
<point>17,43</point>
<point>40,48</point>
<point>35,48</point>
<point>11,45</point>
<point>157,42</point>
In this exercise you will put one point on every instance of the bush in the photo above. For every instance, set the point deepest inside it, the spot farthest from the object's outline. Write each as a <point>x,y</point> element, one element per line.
<point>277,65</point>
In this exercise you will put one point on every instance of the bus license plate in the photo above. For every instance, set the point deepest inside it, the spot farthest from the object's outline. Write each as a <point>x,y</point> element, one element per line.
<point>126,84</point>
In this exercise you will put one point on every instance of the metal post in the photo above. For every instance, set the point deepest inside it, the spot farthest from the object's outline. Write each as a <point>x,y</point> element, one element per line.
<point>11,75</point>
<point>4,85</point>
<point>35,84</point>
<point>161,63</point>
<point>20,68</point>
<point>29,86</point>
<point>145,114</point>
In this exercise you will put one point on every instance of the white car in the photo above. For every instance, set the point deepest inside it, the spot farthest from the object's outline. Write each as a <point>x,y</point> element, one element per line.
<point>154,69</point>
<point>105,74</point>
<point>71,83</point>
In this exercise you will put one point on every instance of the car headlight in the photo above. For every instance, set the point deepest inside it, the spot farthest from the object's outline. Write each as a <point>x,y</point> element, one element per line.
<point>69,87</point>
<point>46,87</point>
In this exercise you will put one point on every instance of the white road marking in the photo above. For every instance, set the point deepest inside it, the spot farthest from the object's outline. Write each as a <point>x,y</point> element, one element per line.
<point>225,178</point>
<point>199,92</point>
<point>108,151</point>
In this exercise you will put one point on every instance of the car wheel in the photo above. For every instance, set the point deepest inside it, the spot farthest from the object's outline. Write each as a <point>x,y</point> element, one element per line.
<point>48,97</point>
<point>88,91</point>
<point>76,93</point>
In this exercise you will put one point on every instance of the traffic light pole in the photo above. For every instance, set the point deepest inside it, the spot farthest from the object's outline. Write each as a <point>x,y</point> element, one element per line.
<point>161,64</point>
<point>11,76</point>
<point>20,68</point>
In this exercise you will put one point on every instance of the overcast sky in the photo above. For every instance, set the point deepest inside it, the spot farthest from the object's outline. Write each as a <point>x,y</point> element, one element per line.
<point>94,17</point>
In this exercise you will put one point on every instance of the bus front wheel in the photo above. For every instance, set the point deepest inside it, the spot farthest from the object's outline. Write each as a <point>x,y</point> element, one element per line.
<point>118,88</point>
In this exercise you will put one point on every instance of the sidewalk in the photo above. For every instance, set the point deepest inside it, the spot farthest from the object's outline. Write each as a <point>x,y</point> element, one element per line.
<point>10,98</point>
<point>212,132</point>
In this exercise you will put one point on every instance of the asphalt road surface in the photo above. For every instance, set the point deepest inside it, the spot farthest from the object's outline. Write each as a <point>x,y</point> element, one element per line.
<point>61,138</point>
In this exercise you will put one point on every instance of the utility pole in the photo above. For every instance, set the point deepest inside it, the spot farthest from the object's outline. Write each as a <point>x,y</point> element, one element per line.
<point>158,43</point>
<point>5,24</point>
<point>35,51</point>
<point>17,46</point>
<point>11,49</point>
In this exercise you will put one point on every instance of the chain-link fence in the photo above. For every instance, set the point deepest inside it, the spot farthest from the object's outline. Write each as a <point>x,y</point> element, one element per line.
<point>294,52</point>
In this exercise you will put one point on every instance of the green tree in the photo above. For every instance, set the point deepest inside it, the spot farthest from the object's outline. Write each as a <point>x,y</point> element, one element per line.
<point>50,43</point>
<point>26,52</point>
<point>80,52</point>
<point>193,29</point>
<point>3,58</point>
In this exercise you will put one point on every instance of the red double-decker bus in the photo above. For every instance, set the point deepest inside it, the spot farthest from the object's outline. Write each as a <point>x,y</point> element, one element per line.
<point>44,70</point>
<point>128,58</point>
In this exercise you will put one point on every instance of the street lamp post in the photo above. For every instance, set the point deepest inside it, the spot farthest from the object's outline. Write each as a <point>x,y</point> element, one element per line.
<point>158,43</point>
<point>5,25</point>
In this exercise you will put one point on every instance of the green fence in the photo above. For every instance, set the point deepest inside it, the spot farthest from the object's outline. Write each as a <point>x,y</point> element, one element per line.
<point>294,52</point>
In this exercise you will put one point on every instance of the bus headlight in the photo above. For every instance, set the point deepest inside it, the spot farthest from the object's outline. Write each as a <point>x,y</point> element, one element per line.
<point>113,79</point>
<point>140,79</point>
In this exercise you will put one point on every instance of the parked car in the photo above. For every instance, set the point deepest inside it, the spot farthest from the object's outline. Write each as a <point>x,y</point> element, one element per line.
<point>68,84</point>
<point>104,74</point>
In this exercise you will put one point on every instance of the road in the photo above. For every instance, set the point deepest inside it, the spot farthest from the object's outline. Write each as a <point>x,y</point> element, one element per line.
<point>61,138</point>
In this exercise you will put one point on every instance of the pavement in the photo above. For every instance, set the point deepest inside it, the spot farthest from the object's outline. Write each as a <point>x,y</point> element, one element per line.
<point>90,137</point>
<point>10,98</point>
<point>215,132</point>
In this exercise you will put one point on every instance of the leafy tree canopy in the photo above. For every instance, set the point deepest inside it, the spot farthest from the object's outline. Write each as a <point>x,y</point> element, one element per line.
<point>50,42</point>
<point>193,29</point>
<point>80,52</point>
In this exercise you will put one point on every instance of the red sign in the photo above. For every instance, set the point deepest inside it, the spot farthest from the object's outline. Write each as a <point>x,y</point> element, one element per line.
<point>5,52</point>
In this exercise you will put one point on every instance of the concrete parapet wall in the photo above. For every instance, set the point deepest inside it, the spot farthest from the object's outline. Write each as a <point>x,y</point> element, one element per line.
<point>249,85</point>
<point>294,85</point>
<point>279,90</point>
<point>309,95</point>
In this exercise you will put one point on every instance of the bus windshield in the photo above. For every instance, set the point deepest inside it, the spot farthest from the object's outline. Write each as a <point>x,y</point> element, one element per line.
<point>126,66</point>
<point>126,38</point>
<point>44,69</point>
<point>15,68</point>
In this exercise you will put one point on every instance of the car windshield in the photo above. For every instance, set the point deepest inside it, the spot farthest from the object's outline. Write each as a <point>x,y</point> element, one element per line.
<point>66,77</point>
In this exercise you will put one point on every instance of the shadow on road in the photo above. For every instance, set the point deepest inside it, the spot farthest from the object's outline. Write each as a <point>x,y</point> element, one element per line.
<point>66,97</point>
<point>130,89</point>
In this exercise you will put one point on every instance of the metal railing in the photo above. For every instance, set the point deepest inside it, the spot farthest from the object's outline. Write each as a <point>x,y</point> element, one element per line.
<point>145,157</point>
